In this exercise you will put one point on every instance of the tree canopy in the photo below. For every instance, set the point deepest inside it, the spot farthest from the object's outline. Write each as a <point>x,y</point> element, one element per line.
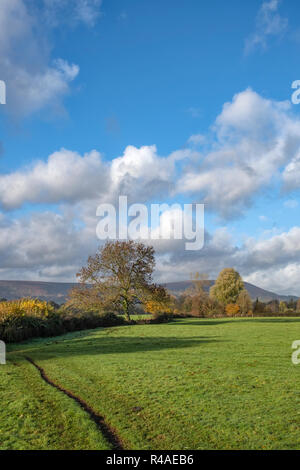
<point>227,287</point>
<point>119,275</point>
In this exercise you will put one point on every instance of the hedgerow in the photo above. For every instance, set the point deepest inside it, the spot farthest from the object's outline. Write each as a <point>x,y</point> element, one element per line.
<point>30,318</point>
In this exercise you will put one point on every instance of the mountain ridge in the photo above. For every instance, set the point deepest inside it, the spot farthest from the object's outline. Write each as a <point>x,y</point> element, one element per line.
<point>58,291</point>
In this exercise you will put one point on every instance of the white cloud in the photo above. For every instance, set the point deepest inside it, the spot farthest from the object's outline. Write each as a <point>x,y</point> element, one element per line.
<point>254,143</point>
<point>197,139</point>
<point>273,264</point>
<point>276,251</point>
<point>43,246</point>
<point>269,23</point>
<point>65,177</point>
<point>141,173</point>
<point>86,11</point>
<point>254,138</point>
<point>34,80</point>
<point>281,281</point>
<point>291,174</point>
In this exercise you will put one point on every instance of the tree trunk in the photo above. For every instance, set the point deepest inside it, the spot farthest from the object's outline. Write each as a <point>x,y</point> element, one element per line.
<point>126,309</point>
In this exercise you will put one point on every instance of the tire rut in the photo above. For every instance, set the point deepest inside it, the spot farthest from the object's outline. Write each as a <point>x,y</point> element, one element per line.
<point>108,432</point>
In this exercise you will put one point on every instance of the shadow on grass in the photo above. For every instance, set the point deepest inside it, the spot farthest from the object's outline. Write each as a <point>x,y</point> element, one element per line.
<point>226,321</point>
<point>198,322</point>
<point>274,320</point>
<point>89,346</point>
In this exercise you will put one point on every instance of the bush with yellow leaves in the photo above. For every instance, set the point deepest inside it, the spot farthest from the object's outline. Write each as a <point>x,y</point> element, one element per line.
<point>232,310</point>
<point>20,308</point>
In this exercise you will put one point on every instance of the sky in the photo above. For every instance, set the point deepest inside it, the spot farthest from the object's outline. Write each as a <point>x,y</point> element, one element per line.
<point>163,102</point>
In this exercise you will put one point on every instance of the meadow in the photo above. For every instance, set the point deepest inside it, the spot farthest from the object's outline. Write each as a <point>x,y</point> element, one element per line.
<point>188,384</point>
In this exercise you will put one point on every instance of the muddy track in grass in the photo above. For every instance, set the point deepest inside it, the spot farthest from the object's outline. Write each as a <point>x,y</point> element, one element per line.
<point>108,432</point>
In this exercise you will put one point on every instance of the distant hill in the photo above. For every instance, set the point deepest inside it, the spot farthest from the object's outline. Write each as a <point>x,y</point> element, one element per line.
<point>255,292</point>
<point>58,291</point>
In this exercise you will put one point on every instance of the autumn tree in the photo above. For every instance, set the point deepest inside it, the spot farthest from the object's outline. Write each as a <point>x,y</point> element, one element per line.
<point>197,301</point>
<point>282,307</point>
<point>298,305</point>
<point>197,294</point>
<point>199,283</point>
<point>118,275</point>
<point>244,302</point>
<point>158,300</point>
<point>232,310</point>
<point>227,287</point>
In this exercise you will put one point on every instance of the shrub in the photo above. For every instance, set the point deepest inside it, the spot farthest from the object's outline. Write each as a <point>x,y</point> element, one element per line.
<point>232,310</point>
<point>163,317</point>
<point>32,307</point>
<point>214,308</point>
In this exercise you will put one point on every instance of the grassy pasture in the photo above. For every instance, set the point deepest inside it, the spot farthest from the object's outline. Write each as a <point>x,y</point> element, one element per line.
<point>189,384</point>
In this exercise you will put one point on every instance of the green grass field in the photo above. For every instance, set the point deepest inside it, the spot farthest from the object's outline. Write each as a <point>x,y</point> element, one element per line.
<point>189,384</point>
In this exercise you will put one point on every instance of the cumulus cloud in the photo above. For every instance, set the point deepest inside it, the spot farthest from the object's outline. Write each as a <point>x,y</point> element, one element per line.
<point>34,80</point>
<point>65,177</point>
<point>254,143</point>
<point>283,280</point>
<point>254,138</point>
<point>141,173</point>
<point>273,263</point>
<point>43,246</point>
<point>276,252</point>
<point>269,23</point>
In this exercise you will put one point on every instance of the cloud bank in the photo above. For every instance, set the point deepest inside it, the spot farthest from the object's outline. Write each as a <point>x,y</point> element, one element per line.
<point>252,148</point>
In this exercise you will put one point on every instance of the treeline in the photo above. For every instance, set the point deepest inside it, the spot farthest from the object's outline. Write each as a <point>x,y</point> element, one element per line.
<point>228,297</point>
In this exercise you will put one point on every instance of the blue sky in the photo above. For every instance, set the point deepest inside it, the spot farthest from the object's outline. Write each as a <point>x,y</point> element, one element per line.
<point>117,77</point>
